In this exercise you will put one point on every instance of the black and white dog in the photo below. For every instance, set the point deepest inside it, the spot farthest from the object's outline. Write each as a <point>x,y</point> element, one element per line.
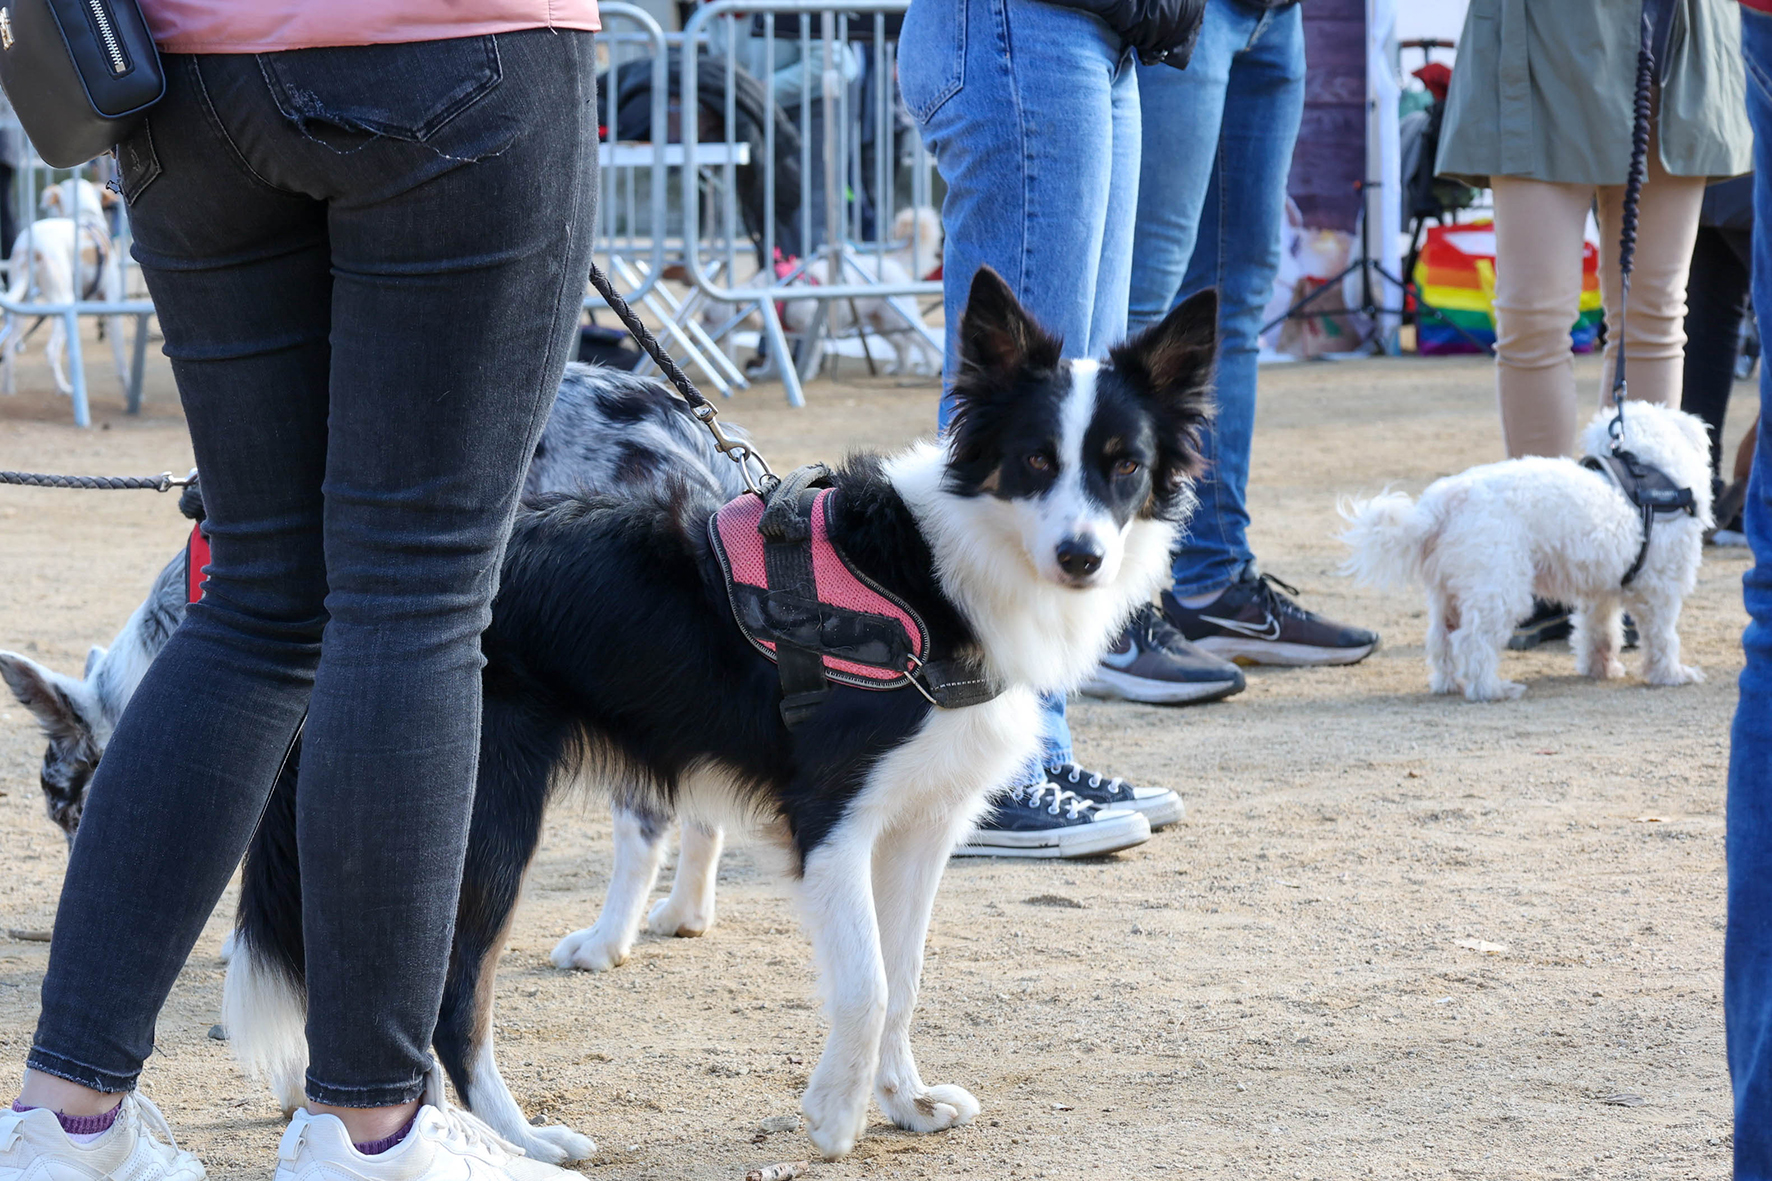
<point>1023,541</point>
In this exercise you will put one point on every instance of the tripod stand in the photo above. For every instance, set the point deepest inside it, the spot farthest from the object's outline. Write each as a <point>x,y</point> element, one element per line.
<point>1369,305</point>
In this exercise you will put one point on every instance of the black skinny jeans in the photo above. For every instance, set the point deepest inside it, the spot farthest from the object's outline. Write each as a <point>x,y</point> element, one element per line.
<point>368,264</point>
<point>1716,304</point>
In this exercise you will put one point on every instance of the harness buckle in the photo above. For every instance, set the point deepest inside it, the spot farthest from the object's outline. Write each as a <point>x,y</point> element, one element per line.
<point>912,669</point>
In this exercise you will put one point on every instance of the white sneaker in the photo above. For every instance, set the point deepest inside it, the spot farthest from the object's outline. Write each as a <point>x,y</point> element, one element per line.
<point>139,1147</point>
<point>445,1144</point>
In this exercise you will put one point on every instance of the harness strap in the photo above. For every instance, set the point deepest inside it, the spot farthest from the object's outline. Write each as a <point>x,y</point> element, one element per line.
<point>954,684</point>
<point>1648,489</point>
<point>787,563</point>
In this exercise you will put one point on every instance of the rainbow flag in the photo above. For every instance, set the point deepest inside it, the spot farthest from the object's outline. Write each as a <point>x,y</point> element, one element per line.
<point>1456,274</point>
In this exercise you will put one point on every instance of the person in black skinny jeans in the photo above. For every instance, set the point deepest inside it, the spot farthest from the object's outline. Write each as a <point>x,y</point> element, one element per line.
<point>1716,306</point>
<point>368,263</point>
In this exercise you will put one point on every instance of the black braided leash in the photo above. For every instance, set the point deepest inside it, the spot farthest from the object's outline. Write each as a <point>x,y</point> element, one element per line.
<point>737,450</point>
<point>1627,233</point>
<point>164,482</point>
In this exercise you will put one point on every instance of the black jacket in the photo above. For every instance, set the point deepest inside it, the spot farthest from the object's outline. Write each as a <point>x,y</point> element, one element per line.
<point>1161,30</point>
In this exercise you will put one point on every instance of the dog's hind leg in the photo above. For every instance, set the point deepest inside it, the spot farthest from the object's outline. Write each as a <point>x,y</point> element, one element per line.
<point>1597,635</point>
<point>1658,620</point>
<point>466,1045</point>
<point>837,891</point>
<point>689,911</point>
<point>56,350</point>
<point>1442,620</point>
<point>908,863</point>
<point>639,847</point>
<point>518,755</point>
<point>1483,628</point>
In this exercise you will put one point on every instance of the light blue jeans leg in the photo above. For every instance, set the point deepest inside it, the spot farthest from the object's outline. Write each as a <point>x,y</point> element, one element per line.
<point>1747,948</point>
<point>1032,114</point>
<point>1217,151</point>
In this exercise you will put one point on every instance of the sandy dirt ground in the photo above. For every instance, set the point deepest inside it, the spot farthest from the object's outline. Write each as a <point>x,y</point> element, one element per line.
<point>1277,987</point>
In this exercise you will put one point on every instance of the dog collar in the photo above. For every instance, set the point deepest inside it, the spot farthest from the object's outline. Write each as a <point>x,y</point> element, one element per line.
<point>800,601</point>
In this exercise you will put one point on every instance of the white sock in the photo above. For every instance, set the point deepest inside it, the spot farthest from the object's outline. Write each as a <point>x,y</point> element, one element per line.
<point>1195,602</point>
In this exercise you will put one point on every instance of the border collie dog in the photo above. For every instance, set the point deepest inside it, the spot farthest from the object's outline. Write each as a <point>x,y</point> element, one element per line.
<point>1023,541</point>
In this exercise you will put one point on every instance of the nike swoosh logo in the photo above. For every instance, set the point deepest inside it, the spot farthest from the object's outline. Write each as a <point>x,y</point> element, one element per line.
<point>1120,659</point>
<point>1266,631</point>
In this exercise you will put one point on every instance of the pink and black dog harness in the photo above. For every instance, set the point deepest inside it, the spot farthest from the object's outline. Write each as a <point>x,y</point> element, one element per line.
<point>802,604</point>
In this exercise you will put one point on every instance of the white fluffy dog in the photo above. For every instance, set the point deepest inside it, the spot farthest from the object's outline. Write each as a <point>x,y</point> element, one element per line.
<point>58,259</point>
<point>1485,541</point>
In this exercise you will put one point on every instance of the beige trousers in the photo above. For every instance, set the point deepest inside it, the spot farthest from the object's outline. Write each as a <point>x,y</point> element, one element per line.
<point>1538,236</point>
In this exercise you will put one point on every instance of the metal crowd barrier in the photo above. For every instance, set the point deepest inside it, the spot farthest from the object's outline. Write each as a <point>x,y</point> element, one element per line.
<point>730,235</point>
<point>827,261</point>
<point>40,291</point>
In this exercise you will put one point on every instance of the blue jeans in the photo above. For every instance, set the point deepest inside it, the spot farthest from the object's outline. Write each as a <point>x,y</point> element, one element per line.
<point>1747,954</point>
<point>1218,142</point>
<point>1032,114</point>
<point>368,264</point>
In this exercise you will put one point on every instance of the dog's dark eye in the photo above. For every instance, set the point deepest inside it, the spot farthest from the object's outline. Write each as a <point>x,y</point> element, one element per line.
<point>1125,467</point>
<point>1039,462</point>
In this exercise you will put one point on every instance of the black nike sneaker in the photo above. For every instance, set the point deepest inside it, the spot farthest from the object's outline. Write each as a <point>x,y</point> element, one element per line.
<point>1253,622</point>
<point>1150,662</point>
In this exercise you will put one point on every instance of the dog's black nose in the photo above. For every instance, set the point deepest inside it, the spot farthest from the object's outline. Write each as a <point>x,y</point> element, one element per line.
<point>1079,557</point>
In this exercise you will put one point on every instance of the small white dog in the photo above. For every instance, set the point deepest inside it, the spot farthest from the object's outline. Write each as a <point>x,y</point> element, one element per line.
<point>1485,541</point>
<point>58,259</point>
<point>918,237</point>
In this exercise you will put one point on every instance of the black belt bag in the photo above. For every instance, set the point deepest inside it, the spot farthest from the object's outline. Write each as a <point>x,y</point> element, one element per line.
<point>79,73</point>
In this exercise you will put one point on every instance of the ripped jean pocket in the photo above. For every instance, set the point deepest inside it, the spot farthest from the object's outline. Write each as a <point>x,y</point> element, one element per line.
<point>346,96</point>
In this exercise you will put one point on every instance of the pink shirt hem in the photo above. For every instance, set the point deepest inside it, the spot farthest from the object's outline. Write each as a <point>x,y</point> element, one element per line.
<point>228,26</point>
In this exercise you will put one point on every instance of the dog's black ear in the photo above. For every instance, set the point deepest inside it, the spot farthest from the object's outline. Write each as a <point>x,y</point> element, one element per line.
<point>997,336</point>
<point>1171,363</point>
<point>37,690</point>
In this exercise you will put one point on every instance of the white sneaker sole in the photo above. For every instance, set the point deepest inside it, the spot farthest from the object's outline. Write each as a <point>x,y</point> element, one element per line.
<point>1248,651</point>
<point>1108,833</point>
<point>1112,683</point>
<point>1158,811</point>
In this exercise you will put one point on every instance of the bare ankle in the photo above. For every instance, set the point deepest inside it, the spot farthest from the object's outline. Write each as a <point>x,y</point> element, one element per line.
<point>60,1095</point>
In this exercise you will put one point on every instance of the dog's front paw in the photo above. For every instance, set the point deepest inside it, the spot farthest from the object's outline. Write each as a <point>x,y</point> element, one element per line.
<point>1680,674</point>
<point>1442,683</point>
<point>671,917</point>
<point>591,950</point>
<point>1495,691</point>
<point>834,1120</point>
<point>933,1110</point>
<point>555,1145</point>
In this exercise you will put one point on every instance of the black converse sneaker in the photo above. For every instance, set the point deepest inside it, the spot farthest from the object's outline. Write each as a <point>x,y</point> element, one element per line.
<point>1253,622</point>
<point>1044,820</point>
<point>1159,805</point>
<point>1152,663</point>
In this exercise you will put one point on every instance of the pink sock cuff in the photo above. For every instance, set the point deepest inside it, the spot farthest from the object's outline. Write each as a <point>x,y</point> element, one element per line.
<point>377,1147</point>
<point>80,1125</point>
